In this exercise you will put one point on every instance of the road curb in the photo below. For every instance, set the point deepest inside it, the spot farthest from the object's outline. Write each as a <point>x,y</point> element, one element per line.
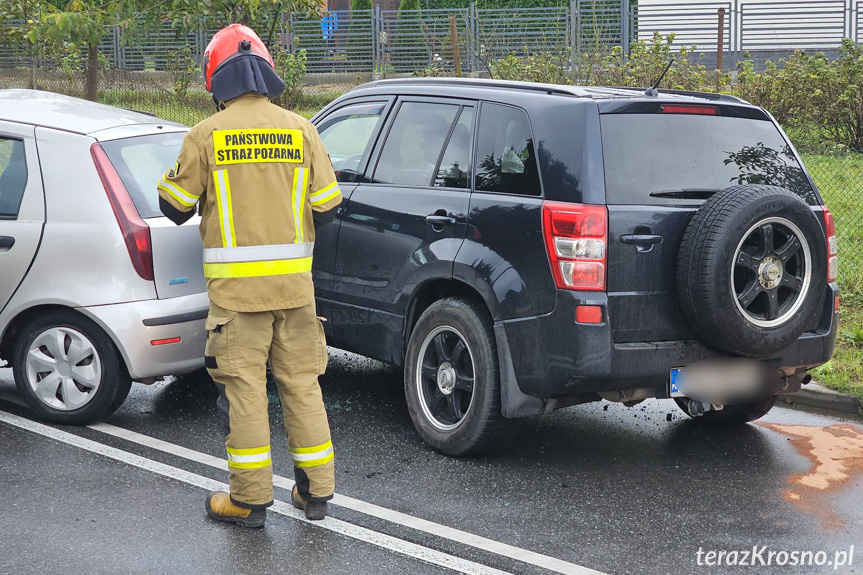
<point>815,395</point>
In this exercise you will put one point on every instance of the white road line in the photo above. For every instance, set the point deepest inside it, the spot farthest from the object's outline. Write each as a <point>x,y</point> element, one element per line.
<point>343,528</point>
<point>443,531</point>
<point>457,535</point>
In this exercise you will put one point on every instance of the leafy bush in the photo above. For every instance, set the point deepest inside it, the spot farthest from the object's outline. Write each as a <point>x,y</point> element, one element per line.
<point>542,67</point>
<point>183,66</point>
<point>291,68</point>
<point>645,63</point>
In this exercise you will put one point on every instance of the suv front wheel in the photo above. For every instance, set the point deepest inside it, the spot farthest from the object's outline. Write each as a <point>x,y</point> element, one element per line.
<point>452,380</point>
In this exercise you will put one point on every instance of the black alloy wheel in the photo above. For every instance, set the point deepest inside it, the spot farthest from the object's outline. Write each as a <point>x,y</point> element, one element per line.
<point>452,380</point>
<point>772,271</point>
<point>445,378</point>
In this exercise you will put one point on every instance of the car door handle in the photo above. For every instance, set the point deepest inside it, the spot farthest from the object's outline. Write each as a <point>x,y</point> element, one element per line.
<point>641,239</point>
<point>6,243</point>
<point>440,220</point>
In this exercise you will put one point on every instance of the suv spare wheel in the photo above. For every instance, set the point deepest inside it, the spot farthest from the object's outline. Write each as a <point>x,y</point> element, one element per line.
<point>751,270</point>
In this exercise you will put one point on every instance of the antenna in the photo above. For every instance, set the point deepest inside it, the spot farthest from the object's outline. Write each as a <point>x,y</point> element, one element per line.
<point>652,91</point>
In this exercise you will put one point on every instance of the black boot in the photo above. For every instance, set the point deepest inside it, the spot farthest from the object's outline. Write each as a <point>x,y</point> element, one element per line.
<point>315,510</point>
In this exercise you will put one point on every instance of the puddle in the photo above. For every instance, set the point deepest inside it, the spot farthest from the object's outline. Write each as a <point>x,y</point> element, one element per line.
<point>836,455</point>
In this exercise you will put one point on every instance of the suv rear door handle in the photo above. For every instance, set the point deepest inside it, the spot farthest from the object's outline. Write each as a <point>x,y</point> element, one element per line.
<point>6,243</point>
<point>436,219</point>
<point>641,239</point>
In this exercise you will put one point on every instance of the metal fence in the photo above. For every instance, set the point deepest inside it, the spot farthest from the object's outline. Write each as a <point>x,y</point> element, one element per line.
<point>382,41</point>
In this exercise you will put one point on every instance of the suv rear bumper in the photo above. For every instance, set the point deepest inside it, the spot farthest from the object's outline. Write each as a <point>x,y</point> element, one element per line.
<point>553,356</point>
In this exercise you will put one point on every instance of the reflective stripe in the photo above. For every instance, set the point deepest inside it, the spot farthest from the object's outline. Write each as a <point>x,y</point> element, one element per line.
<point>255,269</point>
<point>298,196</point>
<point>258,253</point>
<point>253,458</point>
<point>325,195</point>
<point>248,451</point>
<point>226,210</point>
<point>315,449</point>
<point>312,456</point>
<point>178,193</point>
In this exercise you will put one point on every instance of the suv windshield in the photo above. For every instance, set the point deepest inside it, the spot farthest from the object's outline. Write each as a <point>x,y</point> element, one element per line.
<point>662,158</point>
<point>140,162</point>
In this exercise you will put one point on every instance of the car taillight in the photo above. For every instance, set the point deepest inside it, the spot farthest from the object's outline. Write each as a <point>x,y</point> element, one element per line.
<point>832,247</point>
<point>136,233</point>
<point>688,109</point>
<point>576,237</point>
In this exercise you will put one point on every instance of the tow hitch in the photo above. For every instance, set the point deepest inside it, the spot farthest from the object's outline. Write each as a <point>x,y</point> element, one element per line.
<point>697,408</point>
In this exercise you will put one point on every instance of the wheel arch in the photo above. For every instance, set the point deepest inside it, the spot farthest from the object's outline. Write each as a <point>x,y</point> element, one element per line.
<point>24,317</point>
<point>434,290</point>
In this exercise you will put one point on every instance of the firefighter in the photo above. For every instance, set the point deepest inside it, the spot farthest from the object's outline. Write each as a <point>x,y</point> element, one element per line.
<point>263,182</point>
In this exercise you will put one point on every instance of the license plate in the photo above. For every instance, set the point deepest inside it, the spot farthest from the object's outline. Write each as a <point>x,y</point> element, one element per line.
<point>675,385</point>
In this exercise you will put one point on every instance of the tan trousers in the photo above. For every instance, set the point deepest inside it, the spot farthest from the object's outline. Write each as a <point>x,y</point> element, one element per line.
<point>238,347</point>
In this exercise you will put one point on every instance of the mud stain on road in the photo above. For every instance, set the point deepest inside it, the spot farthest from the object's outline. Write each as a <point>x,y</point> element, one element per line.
<point>836,455</point>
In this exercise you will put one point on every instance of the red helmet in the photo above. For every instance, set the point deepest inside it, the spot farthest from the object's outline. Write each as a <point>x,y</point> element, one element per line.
<point>232,42</point>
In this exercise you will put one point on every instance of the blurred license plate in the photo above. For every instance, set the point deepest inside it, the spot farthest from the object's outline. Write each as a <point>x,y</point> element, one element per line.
<point>675,386</point>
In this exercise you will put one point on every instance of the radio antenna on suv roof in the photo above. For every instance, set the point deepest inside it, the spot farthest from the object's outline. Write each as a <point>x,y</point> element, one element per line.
<point>652,91</point>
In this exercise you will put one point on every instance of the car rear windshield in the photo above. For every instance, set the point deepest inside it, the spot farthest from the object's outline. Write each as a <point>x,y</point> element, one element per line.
<point>141,161</point>
<point>677,158</point>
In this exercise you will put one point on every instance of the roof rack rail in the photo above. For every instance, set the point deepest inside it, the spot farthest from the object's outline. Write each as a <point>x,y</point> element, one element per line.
<point>715,96</point>
<point>487,83</point>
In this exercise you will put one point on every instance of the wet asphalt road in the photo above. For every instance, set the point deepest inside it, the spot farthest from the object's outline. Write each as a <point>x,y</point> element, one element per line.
<point>619,490</point>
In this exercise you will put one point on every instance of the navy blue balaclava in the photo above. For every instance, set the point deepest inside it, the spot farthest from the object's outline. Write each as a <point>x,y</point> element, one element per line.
<point>243,74</point>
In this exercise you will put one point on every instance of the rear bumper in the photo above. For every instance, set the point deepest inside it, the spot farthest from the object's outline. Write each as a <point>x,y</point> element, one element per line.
<point>553,356</point>
<point>131,326</point>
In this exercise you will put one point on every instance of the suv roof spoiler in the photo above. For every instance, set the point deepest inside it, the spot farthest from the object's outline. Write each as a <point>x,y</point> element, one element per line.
<point>714,96</point>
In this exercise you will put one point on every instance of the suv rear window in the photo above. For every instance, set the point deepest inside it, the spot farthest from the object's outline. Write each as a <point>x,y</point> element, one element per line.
<point>141,161</point>
<point>650,153</point>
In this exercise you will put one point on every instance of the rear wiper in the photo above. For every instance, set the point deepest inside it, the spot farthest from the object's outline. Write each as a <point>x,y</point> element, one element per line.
<point>685,193</point>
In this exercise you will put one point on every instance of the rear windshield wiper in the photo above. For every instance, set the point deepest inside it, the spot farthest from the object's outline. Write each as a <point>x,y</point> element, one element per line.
<point>685,193</point>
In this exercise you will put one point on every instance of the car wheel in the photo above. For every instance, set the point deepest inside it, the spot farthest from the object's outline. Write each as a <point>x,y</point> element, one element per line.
<point>752,270</point>
<point>68,370</point>
<point>452,380</point>
<point>731,414</point>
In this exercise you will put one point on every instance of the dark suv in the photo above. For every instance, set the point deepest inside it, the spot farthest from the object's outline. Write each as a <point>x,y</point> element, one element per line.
<point>519,248</point>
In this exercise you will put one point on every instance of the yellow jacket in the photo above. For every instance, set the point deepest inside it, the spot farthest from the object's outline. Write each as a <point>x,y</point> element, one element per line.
<point>259,171</point>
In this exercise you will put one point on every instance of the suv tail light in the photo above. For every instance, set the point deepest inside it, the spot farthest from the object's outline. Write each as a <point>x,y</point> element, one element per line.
<point>136,233</point>
<point>576,237</point>
<point>689,109</point>
<point>832,247</point>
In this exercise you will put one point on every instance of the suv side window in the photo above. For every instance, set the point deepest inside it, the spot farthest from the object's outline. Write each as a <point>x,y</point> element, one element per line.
<point>455,164</point>
<point>13,177</point>
<point>414,143</point>
<point>346,135</point>
<point>506,158</point>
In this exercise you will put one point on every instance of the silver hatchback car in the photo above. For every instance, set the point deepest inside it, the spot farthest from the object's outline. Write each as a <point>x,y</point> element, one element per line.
<point>97,288</point>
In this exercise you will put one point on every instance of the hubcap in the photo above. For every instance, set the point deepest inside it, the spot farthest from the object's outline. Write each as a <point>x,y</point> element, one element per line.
<point>771,272</point>
<point>445,378</point>
<point>63,368</point>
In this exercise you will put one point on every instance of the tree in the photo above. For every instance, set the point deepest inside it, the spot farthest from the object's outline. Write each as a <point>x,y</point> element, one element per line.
<point>409,42</point>
<point>18,19</point>
<point>263,16</point>
<point>88,22</point>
